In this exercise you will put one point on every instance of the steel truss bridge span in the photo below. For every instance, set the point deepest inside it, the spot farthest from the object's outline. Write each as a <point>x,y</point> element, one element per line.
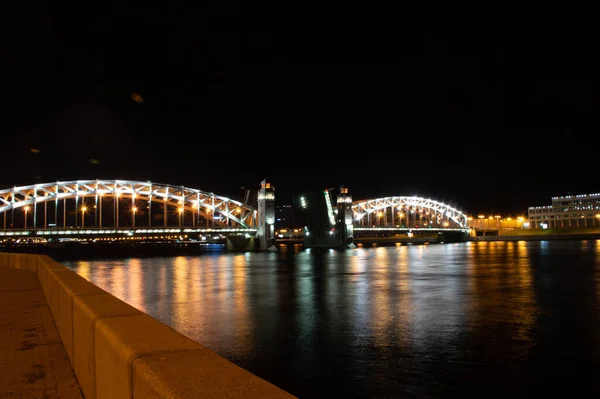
<point>406,212</point>
<point>190,206</point>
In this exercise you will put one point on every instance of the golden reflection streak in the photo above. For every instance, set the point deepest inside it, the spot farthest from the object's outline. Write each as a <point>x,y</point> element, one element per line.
<point>164,309</point>
<point>243,325</point>
<point>194,281</point>
<point>404,306</point>
<point>224,280</point>
<point>162,282</point>
<point>116,283</point>
<point>207,302</point>
<point>471,248</point>
<point>597,271</point>
<point>217,298</point>
<point>195,301</point>
<point>524,310</point>
<point>180,288</point>
<point>83,269</point>
<point>495,270</point>
<point>135,289</point>
<point>381,315</point>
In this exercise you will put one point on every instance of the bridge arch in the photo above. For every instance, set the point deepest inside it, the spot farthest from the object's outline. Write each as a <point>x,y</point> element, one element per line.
<point>183,199</point>
<point>406,211</point>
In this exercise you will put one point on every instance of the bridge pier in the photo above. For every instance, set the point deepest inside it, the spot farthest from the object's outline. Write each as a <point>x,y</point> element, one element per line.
<point>240,243</point>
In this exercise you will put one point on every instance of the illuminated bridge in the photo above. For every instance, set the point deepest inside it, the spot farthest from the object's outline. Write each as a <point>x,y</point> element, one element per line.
<point>103,209</point>
<point>406,213</point>
<point>120,203</point>
<point>122,208</point>
<point>336,222</point>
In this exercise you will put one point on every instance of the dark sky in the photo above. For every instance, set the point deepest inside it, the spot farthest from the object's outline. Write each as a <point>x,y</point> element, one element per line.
<point>488,120</point>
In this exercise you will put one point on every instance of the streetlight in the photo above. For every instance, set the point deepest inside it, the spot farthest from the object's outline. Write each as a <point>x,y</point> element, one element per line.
<point>133,211</point>
<point>497,220</point>
<point>520,220</point>
<point>180,215</point>
<point>238,211</point>
<point>117,196</point>
<point>194,205</point>
<point>481,217</point>
<point>101,198</point>
<point>26,209</point>
<point>83,210</point>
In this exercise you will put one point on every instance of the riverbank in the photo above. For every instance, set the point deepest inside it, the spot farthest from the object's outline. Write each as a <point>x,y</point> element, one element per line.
<point>543,235</point>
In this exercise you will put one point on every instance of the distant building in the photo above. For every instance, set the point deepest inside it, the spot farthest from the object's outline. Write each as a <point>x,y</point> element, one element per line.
<point>483,222</point>
<point>288,222</point>
<point>285,216</point>
<point>289,217</point>
<point>581,210</point>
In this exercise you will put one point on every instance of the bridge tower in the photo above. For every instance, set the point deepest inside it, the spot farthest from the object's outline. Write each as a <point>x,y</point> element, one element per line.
<point>266,217</point>
<point>329,219</point>
<point>344,225</point>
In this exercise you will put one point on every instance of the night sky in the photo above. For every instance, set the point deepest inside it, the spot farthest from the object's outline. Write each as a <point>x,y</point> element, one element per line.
<point>486,121</point>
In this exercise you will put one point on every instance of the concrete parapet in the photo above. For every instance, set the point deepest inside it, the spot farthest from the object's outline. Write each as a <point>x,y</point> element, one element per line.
<point>67,290</point>
<point>22,261</point>
<point>117,351</point>
<point>197,374</point>
<point>121,340</point>
<point>54,289</point>
<point>45,264</point>
<point>87,310</point>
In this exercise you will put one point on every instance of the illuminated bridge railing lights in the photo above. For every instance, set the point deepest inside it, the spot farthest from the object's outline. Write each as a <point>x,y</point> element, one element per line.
<point>14,233</point>
<point>375,229</point>
<point>56,232</point>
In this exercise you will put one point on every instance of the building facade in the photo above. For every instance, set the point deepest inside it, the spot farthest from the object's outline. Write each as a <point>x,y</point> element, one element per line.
<point>581,210</point>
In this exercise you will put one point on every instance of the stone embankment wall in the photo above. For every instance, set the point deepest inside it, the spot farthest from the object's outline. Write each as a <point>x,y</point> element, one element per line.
<point>117,351</point>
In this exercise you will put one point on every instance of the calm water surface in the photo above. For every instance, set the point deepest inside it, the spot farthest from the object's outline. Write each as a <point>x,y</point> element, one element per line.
<point>486,319</point>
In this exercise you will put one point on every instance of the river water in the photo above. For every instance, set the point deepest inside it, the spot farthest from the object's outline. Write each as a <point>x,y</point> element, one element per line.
<point>486,319</point>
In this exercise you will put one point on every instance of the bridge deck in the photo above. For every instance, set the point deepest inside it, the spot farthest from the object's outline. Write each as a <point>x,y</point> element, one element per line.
<point>33,361</point>
<point>125,230</point>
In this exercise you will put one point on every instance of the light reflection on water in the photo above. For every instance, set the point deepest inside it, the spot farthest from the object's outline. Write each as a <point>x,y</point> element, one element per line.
<point>484,318</point>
